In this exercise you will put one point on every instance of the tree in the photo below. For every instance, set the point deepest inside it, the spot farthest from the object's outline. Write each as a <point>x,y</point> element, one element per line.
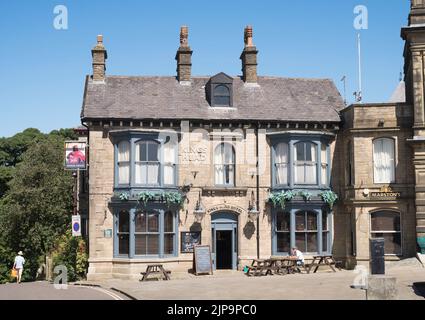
<point>11,151</point>
<point>37,208</point>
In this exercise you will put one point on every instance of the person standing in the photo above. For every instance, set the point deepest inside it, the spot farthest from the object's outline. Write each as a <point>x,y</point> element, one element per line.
<point>19,266</point>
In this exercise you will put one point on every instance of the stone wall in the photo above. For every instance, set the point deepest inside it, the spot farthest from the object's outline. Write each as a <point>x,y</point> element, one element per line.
<point>200,175</point>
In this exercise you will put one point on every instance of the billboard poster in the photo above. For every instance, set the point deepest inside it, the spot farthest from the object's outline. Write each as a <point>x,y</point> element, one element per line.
<point>75,155</point>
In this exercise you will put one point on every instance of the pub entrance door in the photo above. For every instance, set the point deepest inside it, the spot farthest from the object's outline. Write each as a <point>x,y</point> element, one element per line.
<point>224,229</point>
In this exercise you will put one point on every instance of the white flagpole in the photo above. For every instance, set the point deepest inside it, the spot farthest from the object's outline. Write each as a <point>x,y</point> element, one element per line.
<point>360,93</point>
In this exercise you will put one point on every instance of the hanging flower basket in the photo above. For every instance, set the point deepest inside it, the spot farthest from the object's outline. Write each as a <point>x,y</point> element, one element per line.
<point>280,198</point>
<point>329,197</point>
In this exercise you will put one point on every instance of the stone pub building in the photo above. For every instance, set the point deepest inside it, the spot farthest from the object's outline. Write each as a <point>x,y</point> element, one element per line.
<point>183,160</point>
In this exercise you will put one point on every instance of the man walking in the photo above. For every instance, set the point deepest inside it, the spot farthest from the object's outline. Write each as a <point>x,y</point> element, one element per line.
<point>19,266</point>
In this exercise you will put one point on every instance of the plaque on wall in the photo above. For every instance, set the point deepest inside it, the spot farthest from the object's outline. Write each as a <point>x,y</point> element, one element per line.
<point>189,240</point>
<point>202,260</point>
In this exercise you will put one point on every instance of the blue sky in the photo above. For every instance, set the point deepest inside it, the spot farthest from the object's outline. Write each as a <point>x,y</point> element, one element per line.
<point>42,70</point>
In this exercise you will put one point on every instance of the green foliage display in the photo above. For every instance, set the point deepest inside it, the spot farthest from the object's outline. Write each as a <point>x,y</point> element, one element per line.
<point>280,198</point>
<point>124,196</point>
<point>172,198</point>
<point>71,252</point>
<point>146,196</point>
<point>329,197</point>
<point>306,195</point>
<point>35,197</point>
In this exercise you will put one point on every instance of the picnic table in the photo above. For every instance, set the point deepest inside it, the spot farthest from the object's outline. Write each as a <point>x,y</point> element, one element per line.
<point>322,260</point>
<point>155,269</point>
<point>277,265</point>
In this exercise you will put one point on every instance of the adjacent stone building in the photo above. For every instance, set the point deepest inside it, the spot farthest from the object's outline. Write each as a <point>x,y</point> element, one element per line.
<point>250,165</point>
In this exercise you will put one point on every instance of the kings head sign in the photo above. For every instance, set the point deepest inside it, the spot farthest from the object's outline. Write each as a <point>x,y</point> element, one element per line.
<point>75,155</point>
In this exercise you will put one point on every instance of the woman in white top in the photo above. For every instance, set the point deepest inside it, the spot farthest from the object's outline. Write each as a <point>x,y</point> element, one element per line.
<point>19,266</point>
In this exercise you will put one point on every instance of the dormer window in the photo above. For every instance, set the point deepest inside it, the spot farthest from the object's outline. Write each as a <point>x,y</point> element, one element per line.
<point>220,90</point>
<point>221,96</point>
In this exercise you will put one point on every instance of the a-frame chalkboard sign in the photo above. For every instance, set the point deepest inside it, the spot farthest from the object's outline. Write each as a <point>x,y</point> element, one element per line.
<point>202,260</point>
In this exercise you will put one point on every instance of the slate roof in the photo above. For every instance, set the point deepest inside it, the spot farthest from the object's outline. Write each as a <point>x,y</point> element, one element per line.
<point>282,99</point>
<point>399,94</point>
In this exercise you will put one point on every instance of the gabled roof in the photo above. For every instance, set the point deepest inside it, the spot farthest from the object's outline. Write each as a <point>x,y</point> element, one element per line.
<point>273,99</point>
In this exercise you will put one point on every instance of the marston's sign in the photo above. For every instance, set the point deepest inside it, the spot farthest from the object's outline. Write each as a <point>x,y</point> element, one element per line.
<point>385,193</point>
<point>222,207</point>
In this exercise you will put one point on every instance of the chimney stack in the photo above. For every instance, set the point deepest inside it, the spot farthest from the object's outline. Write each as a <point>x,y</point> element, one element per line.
<point>249,58</point>
<point>99,55</point>
<point>184,57</point>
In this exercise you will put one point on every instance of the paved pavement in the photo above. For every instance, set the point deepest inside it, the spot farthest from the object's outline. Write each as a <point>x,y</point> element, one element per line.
<point>236,286</point>
<point>42,290</point>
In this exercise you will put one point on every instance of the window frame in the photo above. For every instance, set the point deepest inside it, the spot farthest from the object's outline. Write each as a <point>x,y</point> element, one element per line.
<point>394,164</point>
<point>118,162</point>
<point>145,163</point>
<point>395,212</point>
<point>133,210</point>
<point>227,185</point>
<point>214,95</point>
<point>133,138</point>
<point>304,163</point>
<point>292,139</point>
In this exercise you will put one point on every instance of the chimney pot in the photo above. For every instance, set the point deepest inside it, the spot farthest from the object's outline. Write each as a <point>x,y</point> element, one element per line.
<point>184,33</point>
<point>248,36</point>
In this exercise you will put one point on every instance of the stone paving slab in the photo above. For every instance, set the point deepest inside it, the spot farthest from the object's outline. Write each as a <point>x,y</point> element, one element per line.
<point>233,285</point>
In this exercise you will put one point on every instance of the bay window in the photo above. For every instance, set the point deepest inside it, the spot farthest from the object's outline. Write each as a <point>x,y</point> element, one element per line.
<point>383,160</point>
<point>149,232</point>
<point>300,161</point>
<point>308,229</point>
<point>144,160</point>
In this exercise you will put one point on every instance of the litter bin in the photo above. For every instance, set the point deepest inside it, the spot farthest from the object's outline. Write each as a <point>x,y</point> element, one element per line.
<point>377,260</point>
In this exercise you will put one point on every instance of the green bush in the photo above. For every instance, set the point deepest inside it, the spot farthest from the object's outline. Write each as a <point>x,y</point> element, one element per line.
<point>71,252</point>
<point>6,262</point>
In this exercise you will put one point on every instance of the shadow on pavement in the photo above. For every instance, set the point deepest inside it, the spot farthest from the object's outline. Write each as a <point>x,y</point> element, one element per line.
<point>419,288</point>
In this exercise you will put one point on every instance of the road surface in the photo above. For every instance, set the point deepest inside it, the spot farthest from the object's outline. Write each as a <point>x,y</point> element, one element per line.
<point>42,290</point>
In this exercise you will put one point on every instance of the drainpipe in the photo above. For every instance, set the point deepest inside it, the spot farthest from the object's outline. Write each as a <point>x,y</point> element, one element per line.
<point>258,189</point>
<point>88,189</point>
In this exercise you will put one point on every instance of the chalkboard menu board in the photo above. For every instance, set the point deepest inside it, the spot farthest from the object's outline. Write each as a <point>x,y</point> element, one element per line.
<point>203,262</point>
<point>189,240</point>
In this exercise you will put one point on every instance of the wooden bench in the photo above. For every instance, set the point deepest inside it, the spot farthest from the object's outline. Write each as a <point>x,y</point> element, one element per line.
<point>155,269</point>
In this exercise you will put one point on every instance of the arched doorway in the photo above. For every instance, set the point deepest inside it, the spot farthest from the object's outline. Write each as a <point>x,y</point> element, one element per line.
<point>224,233</point>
